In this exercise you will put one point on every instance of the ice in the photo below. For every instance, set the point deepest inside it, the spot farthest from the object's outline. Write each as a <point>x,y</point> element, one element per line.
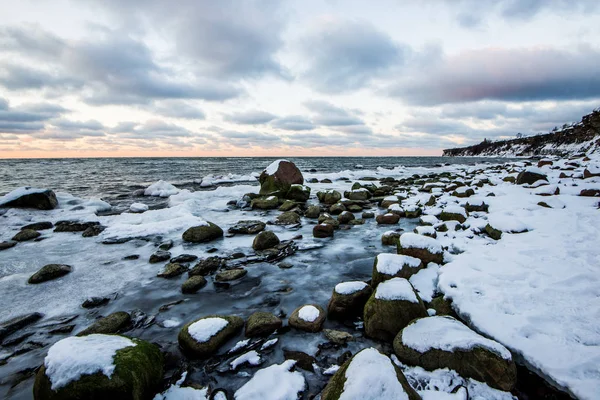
<point>390,264</point>
<point>161,189</point>
<point>97,204</point>
<point>425,281</point>
<point>138,207</point>
<point>206,328</point>
<point>396,289</point>
<point>331,370</point>
<point>269,343</point>
<point>350,287</point>
<point>239,345</point>
<point>19,192</point>
<point>371,376</point>
<point>171,323</point>
<point>276,382</point>
<point>413,240</point>
<point>274,166</point>
<point>176,392</point>
<point>308,313</point>
<point>73,357</point>
<point>251,357</point>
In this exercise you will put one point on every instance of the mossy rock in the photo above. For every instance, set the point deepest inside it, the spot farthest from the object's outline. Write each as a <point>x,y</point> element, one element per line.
<point>329,196</point>
<point>477,207</point>
<point>172,270</point>
<point>323,230</point>
<point>495,234</point>
<point>309,326</point>
<point>287,205</point>
<point>207,266</point>
<point>442,306</point>
<point>265,240</point>
<point>50,272</point>
<point>414,213</point>
<point>262,324</point>
<point>509,179</point>
<point>299,193</point>
<point>203,233</point>
<point>248,227</point>
<point>288,218</point>
<point>193,284</point>
<point>337,208</point>
<point>112,323</point>
<point>348,306</point>
<point>405,271</point>
<point>358,194</point>
<point>346,217</point>
<point>230,274</point>
<point>137,375</point>
<point>450,216</point>
<point>194,349</point>
<point>265,203</point>
<point>467,193</point>
<point>390,238</point>
<point>313,212</point>
<point>422,254</point>
<point>371,382</point>
<point>25,235</point>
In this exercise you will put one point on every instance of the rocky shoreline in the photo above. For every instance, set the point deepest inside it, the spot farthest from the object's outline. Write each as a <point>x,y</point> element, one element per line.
<point>386,328</point>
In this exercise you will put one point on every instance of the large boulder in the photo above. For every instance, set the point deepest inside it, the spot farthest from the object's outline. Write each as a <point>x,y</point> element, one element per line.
<point>50,272</point>
<point>99,367</point>
<point>329,196</point>
<point>443,342</point>
<point>393,305</point>
<point>112,323</point>
<point>202,233</point>
<point>312,212</point>
<point>288,218</point>
<point>262,324</point>
<point>278,178</point>
<point>265,240</point>
<point>323,230</point>
<point>422,247</point>
<point>203,337</point>
<point>388,266</point>
<point>358,194</point>
<point>348,300</point>
<point>387,219</point>
<point>299,193</point>
<point>369,375</point>
<point>530,175</point>
<point>309,318</point>
<point>27,197</point>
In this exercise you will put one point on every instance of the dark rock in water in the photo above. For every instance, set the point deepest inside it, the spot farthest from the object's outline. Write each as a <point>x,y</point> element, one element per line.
<point>42,200</point>
<point>116,240</point>
<point>284,265</point>
<point>313,212</point>
<point>113,323</point>
<point>247,227</point>
<point>7,245</point>
<point>338,337</point>
<point>529,177</point>
<point>288,218</point>
<point>39,226</point>
<point>159,256</point>
<point>265,203</point>
<point>303,360</point>
<point>93,230</point>
<point>279,177</point>
<point>323,231</point>
<point>73,226</point>
<point>25,235</point>
<point>298,193</point>
<point>313,180</point>
<point>203,349</point>
<point>61,330</point>
<point>270,300</point>
<point>345,217</point>
<point>50,272</point>
<point>140,319</point>
<point>265,240</point>
<point>346,306</point>
<point>93,302</point>
<point>193,284</point>
<point>302,318</point>
<point>166,245</point>
<point>230,275</point>
<point>172,270</point>
<point>368,214</point>
<point>212,250</point>
<point>131,257</point>
<point>207,266</point>
<point>262,324</point>
<point>203,233</point>
<point>238,255</point>
<point>183,258</point>
<point>329,196</point>
<point>168,306</point>
<point>12,325</point>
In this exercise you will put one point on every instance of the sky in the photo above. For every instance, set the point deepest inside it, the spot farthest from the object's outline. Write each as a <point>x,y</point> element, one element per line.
<point>121,78</point>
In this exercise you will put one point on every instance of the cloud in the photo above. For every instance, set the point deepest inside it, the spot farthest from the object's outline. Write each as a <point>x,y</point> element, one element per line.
<point>346,56</point>
<point>177,109</point>
<point>530,74</point>
<point>27,118</point>
<point>249,139</point>
<point>340,119</point>
<point>152,129</point>
<point>293,123</point>
<point>252,117</point>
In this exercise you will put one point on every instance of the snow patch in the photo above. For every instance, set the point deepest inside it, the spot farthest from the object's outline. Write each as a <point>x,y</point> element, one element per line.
<point>350,287</point>
<point>206,328</point>
<point>396,289</point>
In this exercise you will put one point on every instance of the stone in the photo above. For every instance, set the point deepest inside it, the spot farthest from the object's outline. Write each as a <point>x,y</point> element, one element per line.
<point>166,245</point>
<point>73,226</point>
<point>247,227</point>
<point>112,323</point>
<point>388,266</point>
<point>494,233</point>
<point>368,214</point>
<point>230,274</point>
<point>93,230</point>
<point>337,208</point>
<point>358,194</point>
<point>39,226</point>
<point>298,193</point>
<point>193,284</point>
<point>262,324</point>
<point>431,252</point>
<point>529,177</point>
<point>288,218</point>
<point>159,256</point>
<point>348,306</point>
<point>193,348</point>
<point>303,360</point>
<point>387,219</point>
<point>323,231</point>
<point>390,238</point>
<point>17,323</point>
<point>450,216</point>
<point>338,337</point>
<point>288,205</point>
<point>172,270</point>
<point>265,240</point>
<point>345,217</point>
<point>203,233</point>
<point>295,321</point>
<point>93,302</point>
<point>25,235</point>
<point>50,272</point>
<point>7,245</point>
<point>279,177</point>
<point>42,200</point>
<point>329,196</point>
<point>313,212</point>
<point>265,203</point>
<point>184,258</point>
<point>207,266</point>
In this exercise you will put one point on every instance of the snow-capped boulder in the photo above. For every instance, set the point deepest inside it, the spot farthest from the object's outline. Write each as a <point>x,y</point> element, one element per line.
<point>27,197</point>
<point>203,337</point>
<point>358,194</point>
<point>388,201</point>
<point>443,342</point>
<point>203,233</point>
<point>369,375</point>
<point>329,196</point>
<point>454,213</point>
<point>348,300</point>
<point>278,178</point>
<point>262,324</point>
<point>422,247</point>
<point>308,318</point>
<point>99,367</point>
<point>299,193</point>
<point>390,238</point>
<point>390,308</point>
<point>388,266</point>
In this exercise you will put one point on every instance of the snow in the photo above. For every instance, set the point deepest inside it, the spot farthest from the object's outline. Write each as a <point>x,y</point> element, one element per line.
<point>308,313</point>
<point>171,323</point>
<point>19,192</point>
<point>535,170</point>
<point>161,189</point>
<point>413,240</point>
<point>276,382</point>
<point>390,264</point>
<point>425,230</point>
<point>454,209</point>
<point>274,166</point>
<point>508,223</point>
<point>447,334</point>
<point>396,289</point>
<point>97,204</point>
<point>425,281</point>
<point>71,358</point>
<point>239,345</point>
<point>395,207</point>
<point>206,328</point>
<point>350,287</point>
<point>176,392</point>
<point>251,357</point>
<point>138,207</point>
<point>429,219</point>
<point>371,376</point>
<point>269,343</point>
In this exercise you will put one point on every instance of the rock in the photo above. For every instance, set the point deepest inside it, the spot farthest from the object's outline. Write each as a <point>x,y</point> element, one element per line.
<point>262,324</point>
<point>510,179</point>
<point>530,176</point>
<point>303,360</point>
<point>368,375</point>
<point>279,176</point>
<point>25,235</point>
<point>358,194</point>
<point>388,201</point>
<point>93,302</point>
<point>388,266</point>
<point>207,266</point>
<point>288,218</point>
<point>309,318</point>
<point>285,265</point>
<point>329,196</point>
<point>326,180</point>
<point>166,245</point>
<point>93,230</point>
<point>172,270</point>
<point>159,256</point>
<point>413,212</point>
<point>345,217</point>
<point>390,308</point>
<point>247,227</point>
<point>299,193</point>
<point>112,323</point>
<point>313,212</point>
<point>39,226</point>
<point>323,231</point>
<point>454,214</point>
<point>387,219</point>
<point>422,247</point>
<point>590,193</point>
<point>193,284</point>
<point>203,337</point>
<point>390,238</point>
<point>184,258</point>
<point>368,214</point>
<point>265,203</point>
<point>203,233</point>
<point>338,337</point>
<point>463,192</point>
<point>14,324</point>
<point>441,306</point>
<point>288,205</point>
<point>348,300</point>
<point>443,342</point>
<point>356,222</point>
<point>494,233</point>
<point>50,272</point>
<point>477,207</point>
<point>541,163</point>
<point>73,226</point>
<point>265,240</point>
<point>7,245</point>
<point>354,208</point>
<point>337,208</point>
<point>230,274</point>
<point>31,198</point>
<point>137,374</point>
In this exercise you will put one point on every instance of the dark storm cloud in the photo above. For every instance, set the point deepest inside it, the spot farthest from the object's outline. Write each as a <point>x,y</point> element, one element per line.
<point>347,56</point>
<point>504,74</point>
<point>253,117</point>
<point>293,123</point>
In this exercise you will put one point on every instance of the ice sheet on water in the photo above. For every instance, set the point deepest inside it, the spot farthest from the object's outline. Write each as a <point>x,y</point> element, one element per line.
<point>161,189</point>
